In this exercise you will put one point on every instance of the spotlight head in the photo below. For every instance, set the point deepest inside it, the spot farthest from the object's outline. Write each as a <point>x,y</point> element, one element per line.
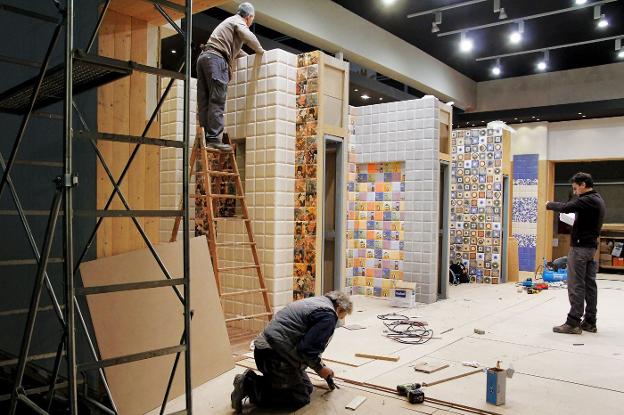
<point>541,65</point>
<point>496,70</point>
<point>579,2</point>
<point>388,2</point>
<point>365,97</point>
<point>466,45</point>
<point>515,37</point>
<point>434,27</point>
<point>621,54</point>
<point>603,22</point>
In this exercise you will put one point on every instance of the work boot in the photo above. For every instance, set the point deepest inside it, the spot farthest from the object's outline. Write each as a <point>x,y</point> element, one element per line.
<point>567,329</point>
<point>216,144</point>
<point>238,394</point>
<point>587,326</point>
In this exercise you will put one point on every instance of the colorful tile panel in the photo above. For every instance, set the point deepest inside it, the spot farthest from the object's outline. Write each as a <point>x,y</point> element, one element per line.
<point>375,233</point>
<point>477,202</point>
<point>306,156</point>
<point>524,208</point>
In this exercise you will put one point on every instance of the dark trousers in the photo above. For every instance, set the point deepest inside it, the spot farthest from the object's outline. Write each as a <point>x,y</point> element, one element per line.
<point>212,81</point>
<point>281,386</point>
<point>582,289</point>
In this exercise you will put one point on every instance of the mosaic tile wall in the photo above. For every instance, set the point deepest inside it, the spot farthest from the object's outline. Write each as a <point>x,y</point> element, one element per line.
<point>477,202</point>
<point>405,132</point>
<point>524,208</point>
<point>306,154</point>
<point>375,236</point>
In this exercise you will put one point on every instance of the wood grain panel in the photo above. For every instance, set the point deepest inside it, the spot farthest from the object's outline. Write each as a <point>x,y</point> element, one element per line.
<point>145,10</point>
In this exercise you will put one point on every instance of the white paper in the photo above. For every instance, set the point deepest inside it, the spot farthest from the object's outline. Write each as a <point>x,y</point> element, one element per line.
<point>567,218</point>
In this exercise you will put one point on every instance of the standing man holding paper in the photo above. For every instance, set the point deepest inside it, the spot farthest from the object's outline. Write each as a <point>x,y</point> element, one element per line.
<point>589,210</point>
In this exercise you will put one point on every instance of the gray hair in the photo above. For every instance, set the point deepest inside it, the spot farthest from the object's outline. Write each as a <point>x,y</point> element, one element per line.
<point>341,299</point>
<point>246,9</point>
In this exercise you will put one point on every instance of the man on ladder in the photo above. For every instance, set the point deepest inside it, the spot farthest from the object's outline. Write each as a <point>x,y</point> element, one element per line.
<point>215,67</point>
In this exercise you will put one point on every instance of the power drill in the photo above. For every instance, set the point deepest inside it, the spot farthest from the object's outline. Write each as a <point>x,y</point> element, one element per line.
<point>412,391</point>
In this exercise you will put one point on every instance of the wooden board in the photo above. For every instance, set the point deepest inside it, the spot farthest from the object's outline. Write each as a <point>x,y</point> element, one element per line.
<point>137,321</point>
<point>430,367</point>
<point>122,109</point>
<point>146,11</point>
<point>378,357</point>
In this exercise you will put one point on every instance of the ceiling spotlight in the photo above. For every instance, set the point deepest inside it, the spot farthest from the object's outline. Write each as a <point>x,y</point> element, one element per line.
<point>579,2</point>
<point>602,20</point>
<point>355,90</point>
<point>365,97</point>
<point>503,14</point>
<point>436,21</point>
<point>543,64</point>
<point>388,2</point>
<point>465,43</point>
<point>173,51</point>
<point>618,48</point>
<point>498,9</point>
<point>496,69</point>
<point>516,36</point>
<point>381,98</point>
<point>621,54</point>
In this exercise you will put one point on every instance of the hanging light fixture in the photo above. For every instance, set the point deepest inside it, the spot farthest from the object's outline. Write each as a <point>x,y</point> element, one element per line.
<point>437,21</point>
<point>598,15</point>
<point>618,48</point>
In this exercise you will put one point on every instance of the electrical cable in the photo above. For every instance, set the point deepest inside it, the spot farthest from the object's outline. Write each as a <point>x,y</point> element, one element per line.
<point>403,329</point>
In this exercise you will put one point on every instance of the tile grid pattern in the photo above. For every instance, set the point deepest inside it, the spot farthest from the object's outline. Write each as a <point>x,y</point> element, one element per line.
<point>306,164</point>
<point>524,208</point>
<point>260,110</point>
<point>477,202</point>
<point>405,132</point>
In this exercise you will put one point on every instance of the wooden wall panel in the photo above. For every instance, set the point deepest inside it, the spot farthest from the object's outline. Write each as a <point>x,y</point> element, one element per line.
<point>545,193</point>
<point>122,110</point>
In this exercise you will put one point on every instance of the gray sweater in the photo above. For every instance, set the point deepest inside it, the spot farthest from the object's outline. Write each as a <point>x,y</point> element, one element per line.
<point>301,331</point>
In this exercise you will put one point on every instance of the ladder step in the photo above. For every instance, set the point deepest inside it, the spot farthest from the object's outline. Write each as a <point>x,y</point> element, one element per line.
<point>230,219</point>
<point>216,196</point>
<point>233,293</point>
<point>235,243</point>
<point>221,173</point>
<point>238,318</point>
<point>238,268</point>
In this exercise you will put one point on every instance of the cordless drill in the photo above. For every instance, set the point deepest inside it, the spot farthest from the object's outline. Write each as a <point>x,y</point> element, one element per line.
<point>412,391</point>
<point>330,383</point>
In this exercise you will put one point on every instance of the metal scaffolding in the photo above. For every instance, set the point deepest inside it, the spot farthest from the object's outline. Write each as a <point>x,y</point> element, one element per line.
<point>82,71</point>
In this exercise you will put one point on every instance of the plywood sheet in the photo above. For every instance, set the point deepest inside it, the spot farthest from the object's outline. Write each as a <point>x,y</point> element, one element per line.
<point>136,321</point>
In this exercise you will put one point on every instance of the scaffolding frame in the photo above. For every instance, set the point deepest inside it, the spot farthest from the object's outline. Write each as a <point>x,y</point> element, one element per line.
<point>82,71</point>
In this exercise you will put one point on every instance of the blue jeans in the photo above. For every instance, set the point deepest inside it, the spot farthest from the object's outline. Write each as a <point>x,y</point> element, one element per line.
<point>212,80</point>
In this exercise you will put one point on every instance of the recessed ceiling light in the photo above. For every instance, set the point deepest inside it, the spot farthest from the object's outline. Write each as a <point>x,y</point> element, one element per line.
<point>365,97</point>
<point>173,51</point>
<point>584,116</point>
<point>355,90</point>
<point>580,113</point>
<point>537,119</point>
<point>516,118</point>
<point>381,98</point>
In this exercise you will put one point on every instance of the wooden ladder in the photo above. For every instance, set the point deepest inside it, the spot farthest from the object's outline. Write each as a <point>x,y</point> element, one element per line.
<point>219,168</point>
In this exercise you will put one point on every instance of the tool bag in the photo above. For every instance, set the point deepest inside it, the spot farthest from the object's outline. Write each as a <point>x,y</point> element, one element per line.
<point>458,274</point>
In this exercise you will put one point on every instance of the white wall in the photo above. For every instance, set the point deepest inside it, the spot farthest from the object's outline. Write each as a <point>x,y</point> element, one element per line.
<point>595,83</point>
<point>530,139</point>
<point>586,139</point>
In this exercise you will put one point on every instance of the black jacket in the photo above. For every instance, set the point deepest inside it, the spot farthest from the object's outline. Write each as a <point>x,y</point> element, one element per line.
<point>589,209</point>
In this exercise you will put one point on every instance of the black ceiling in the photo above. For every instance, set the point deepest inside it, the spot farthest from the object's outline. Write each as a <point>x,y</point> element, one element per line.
<point>570,27</point>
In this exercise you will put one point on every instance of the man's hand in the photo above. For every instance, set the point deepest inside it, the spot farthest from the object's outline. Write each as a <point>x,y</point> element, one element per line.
<point>325,372</point>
